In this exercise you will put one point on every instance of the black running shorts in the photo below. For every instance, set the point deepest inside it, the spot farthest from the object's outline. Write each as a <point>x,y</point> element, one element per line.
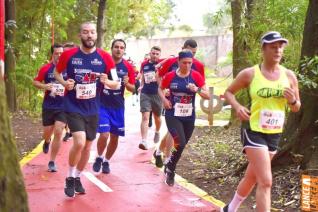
<point>77,122</point>
<point>49,116</point>
<point>253,139</point>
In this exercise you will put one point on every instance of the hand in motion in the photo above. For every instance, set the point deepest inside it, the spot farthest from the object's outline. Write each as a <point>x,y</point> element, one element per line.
<point>70,84</point>
<point>192,87</point>
<point>125,80</point>
<point>167,104</point>
<point>242,113</point>
<point>289,94</point>
<point>48,86</point>
<point>139,89</point>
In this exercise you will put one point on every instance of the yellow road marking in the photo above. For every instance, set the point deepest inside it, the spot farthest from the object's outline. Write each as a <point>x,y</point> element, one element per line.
<point>195,190</point>
<point>37,150</point>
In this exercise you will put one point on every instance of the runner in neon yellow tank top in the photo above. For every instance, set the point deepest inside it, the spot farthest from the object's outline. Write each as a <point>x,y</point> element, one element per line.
<point>272,88</point>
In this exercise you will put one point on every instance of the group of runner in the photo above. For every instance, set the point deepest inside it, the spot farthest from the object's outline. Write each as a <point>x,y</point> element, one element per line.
<point>84,88</point>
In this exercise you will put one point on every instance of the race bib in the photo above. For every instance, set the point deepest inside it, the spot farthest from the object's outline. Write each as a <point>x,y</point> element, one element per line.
<point>57,89</point>
<point>272,120</point>
<point>150,77</point>
<point>85,91</point>
<point>183,110</point>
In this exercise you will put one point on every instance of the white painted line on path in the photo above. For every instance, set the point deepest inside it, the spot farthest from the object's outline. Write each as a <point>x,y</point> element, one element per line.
<point>97,182</point>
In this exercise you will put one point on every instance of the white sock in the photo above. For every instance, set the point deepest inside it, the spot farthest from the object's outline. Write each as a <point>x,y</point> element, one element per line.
<point>101,156</point>
<point>105,160</point>
<point>70,172</point>
<point>158,152</point>
<point>236,202</point>
<point>157,132</point>
<point>77,173</point>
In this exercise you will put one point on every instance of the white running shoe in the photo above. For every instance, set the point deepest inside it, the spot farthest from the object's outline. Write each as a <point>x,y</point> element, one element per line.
<point>143,145</point>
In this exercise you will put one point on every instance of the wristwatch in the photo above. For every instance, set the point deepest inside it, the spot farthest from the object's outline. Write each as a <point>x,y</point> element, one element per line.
<point>199,90</point>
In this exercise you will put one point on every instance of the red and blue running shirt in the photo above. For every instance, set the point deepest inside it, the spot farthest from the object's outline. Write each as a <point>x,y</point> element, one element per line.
<point>52,99</point>
<point>81,67</point>
<point>111,98</point>
<point>181,98</point>
<point>149,77</point>
<point>172,64</point>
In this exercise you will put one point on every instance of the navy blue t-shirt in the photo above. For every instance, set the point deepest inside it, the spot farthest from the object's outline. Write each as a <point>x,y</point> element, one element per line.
<point>52,99</point>
<point>115,98</point>
<point>150,85</point>
<point>84,98</point>
<point>181,98</point>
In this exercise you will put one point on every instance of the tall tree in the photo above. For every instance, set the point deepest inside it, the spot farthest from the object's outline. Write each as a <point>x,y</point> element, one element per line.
<point>9,56</point>
<point>13,196</point>
<point>241,16</point>
<point>101,23</point>
<point>301,134</point>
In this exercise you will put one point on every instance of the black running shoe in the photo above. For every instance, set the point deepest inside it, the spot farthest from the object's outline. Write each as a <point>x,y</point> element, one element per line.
<point>158,159</point>
<point>225,209</point>
<point>67,136</point>
<point>169,176</point>
<point>105,169</point>
<point>69,189</point>
<point>46,146</point>
<point>52,166</point>
<point>78,186</point>
<point>97,164</point>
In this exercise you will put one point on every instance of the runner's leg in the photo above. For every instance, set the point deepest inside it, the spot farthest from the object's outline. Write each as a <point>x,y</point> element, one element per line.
<point>58,134</point>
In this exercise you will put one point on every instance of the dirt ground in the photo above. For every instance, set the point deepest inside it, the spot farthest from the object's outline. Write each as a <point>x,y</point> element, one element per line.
<point>208,160</point>
<point>27,132</point>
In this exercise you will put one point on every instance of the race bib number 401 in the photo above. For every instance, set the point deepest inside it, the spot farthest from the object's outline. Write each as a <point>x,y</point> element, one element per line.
<point>183,110</point>
<point>272,120</point>
<point>58,89</point>
<point>85,91</point>
<point>150,77</point>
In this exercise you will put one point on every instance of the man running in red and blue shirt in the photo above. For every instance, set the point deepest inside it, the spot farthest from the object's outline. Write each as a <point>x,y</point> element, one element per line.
<point>171,64</point>
<point>83,66</point>
<point>53,117</point>
<point>112,108</point>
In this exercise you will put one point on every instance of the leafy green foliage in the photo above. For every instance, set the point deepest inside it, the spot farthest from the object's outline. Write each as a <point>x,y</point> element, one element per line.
<point>285,16</point>
<point>308,72</point>
<point>34,25</point>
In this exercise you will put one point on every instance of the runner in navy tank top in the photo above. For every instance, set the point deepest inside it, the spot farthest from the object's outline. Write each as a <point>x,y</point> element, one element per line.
<point>112,108</point>
<point>83,66</point>
<point>53,117</point>
<point>183,84</point>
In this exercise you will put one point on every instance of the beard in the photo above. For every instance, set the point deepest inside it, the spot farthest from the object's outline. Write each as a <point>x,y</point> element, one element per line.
<point>89,44</point>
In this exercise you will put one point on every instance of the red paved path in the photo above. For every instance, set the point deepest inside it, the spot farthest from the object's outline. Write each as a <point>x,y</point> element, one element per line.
<point>137,185</point>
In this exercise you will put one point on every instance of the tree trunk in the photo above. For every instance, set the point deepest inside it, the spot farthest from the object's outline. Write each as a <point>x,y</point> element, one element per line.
<point>300,138</point>
<point>240,9</point>
<point>2,18</point>
<point>13,196</point>
<point>101,23</point>
<point>9,56</point>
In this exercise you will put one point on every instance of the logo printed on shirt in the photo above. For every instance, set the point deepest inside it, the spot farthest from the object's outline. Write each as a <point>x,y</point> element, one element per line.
<point>173,85</point>
<point>77,61</point>
<point>96,62</point>
<point>51,75</point>
<point>81,70</point>
<point>146,67</point>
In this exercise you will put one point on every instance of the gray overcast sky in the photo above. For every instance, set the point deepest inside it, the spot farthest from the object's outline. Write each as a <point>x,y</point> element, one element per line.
<point>190,12</point>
